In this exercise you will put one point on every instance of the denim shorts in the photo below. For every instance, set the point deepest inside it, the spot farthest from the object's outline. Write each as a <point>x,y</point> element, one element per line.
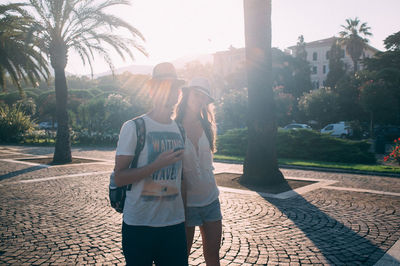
<point>197,216</point>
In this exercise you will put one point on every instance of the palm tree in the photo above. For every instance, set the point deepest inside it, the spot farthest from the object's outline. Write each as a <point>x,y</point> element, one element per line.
<point>19,58</point>
<point>352,38</point>
<point>261,165</point>
<point>82,26</point>
<point>301,48</point>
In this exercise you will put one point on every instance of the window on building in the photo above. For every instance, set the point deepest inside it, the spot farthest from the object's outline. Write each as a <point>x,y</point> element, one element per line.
<point>314,56</point>
<point>314,70</point>
<point>327,55</point>
<point>324,69</point>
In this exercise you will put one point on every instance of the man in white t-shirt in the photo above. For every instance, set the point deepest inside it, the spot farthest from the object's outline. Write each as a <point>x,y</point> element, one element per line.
<point>153,218</point>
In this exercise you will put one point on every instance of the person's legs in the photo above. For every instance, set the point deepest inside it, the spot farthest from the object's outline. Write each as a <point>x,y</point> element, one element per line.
<point>137,244</point>
<point>189,237</point>
<point>171,248</point>
<point>211,233</point>
<point>193,219</point>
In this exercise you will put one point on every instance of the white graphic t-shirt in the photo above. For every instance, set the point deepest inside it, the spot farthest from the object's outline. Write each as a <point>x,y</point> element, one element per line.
<point>156,200</point>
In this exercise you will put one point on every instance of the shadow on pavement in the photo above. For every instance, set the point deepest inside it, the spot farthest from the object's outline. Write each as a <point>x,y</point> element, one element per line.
<point>335,241</point>
<point>20,172</point>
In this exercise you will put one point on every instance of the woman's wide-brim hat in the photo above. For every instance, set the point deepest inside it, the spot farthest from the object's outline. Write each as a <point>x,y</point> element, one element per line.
<point>165,71</point>
<point>202,85</point>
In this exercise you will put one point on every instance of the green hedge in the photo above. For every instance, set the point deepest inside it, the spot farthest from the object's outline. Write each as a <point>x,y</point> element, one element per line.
<point>233,142</point>
<point>302,144</point>
<point>77,138</point>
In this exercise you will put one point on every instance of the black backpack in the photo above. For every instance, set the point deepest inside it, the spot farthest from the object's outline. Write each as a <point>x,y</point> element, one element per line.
<point>116,194</point>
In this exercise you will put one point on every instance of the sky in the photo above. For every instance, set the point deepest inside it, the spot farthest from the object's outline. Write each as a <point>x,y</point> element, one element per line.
<point>177,28</point>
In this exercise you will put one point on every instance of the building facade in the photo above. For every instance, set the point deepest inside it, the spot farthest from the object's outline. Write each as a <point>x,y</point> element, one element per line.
<point>318,57</point>
<point>228,62</point>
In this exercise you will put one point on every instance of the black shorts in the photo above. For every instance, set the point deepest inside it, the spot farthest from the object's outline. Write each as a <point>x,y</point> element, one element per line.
<point>164,245</point>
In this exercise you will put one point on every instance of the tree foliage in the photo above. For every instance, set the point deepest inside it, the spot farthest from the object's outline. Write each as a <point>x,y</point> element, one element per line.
<point>392,42</point>
<point>300,51</point>
<point>354,37</point>
<point>291,73</point>
<point>19,56</point>
<point>320,105</point>
<point>377,98</point>
<point>337,70</point>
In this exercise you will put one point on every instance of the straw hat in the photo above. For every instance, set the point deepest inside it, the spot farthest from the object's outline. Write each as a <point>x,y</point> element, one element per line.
<point>202,85</point>
<point>165,71</point>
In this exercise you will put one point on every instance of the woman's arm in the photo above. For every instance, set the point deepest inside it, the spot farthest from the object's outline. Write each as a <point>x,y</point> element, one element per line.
<point>125,175</point>
<point>184,193</point>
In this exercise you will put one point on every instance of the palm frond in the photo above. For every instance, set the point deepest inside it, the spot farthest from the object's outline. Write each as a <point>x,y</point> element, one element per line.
<point>85,27</point>
<point>21,59</point>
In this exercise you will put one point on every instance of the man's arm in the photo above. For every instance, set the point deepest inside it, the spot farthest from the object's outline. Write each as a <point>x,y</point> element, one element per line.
<point>125,175</point>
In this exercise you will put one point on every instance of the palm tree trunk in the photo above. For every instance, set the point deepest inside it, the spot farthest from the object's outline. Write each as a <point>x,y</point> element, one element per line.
<point>62,152</point>
<point>355,65</point>
<point>261,165</point>
<point>3,80</point>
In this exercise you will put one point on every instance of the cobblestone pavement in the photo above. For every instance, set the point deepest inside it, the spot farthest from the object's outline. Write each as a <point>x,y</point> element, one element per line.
<point>60,215</point>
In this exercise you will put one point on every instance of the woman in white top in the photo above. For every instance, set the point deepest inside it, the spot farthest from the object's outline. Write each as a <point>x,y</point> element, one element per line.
<point>195,113</point>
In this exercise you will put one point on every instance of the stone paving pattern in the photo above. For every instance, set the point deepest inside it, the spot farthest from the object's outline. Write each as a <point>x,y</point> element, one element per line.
<point>68,220</point>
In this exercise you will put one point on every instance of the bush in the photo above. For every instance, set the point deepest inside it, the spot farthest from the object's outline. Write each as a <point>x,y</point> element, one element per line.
<point>304,145</point>
<point>233,142</point>
<point>78,137</point>
<point>26,105</point>
<point>94,138</point>
<point>312,145</point>
<point>41,136</point>
<point>13,123</point>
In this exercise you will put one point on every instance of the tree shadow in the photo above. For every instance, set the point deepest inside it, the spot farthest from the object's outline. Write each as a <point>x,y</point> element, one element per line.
<point>20,172</point>
<point>338,243</point>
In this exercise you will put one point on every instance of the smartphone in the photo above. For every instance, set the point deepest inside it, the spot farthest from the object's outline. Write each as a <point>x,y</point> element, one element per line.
<point>178,149</point>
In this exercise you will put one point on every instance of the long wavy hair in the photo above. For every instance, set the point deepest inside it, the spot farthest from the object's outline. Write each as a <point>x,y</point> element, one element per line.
<point>206,117</point>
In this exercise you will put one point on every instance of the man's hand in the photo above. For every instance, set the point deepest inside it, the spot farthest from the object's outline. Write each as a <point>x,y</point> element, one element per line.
<point>125,175</point>
<point>168,157</point>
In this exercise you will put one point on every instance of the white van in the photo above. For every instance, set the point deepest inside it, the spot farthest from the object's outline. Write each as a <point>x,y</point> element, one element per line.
<point>340,129</point>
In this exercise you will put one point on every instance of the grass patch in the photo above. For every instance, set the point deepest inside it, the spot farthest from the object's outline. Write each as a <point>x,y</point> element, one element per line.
<point>344,166</point>
<point>40,142</point>
<point>238,159</point>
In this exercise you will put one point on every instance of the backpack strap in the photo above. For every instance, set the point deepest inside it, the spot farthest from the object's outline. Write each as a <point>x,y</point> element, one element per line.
<point>141,138</point>
<point>183,134</point>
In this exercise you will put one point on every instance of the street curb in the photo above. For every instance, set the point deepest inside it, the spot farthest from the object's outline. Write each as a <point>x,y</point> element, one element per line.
<point>322,169</point>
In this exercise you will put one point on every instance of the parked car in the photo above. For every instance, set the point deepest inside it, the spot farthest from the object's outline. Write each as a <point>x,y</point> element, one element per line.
<point>295,126</point>
<point>340,129</point>
<point>47,125</point>
<point>387,133</point>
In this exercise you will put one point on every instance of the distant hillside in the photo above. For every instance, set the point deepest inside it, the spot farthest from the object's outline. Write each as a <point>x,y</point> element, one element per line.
<point>146,69</point>
<point>134,69</point>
